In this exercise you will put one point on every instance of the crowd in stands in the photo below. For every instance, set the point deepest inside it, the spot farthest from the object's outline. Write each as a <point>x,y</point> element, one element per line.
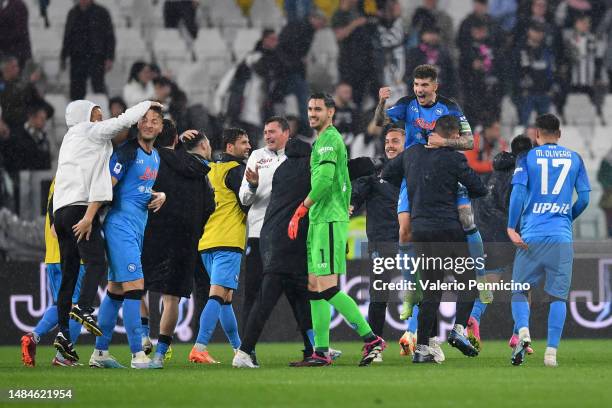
<point>536,52</point>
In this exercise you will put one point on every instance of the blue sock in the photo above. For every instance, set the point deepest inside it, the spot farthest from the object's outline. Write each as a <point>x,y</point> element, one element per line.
<point>476,248</point>
<point>144,321</point>
<point>230,325</point>
<point>75,330</point>
<point>413,322</point>
<point>208,319</point>
<point>406,249</point>
<point>556,319</point>
<point>47,322</point>
<point>478,309</point>
<point>520,311</point>
<point>163,343</point>
<point>310,334</point>
<point>107,319</point>
<point>133,326</point>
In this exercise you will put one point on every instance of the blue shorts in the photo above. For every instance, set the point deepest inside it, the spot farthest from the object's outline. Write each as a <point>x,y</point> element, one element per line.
<point>123,248</point>
<point>546,258</point>
<point>223,267</point>
<point>54,275</point>
<point>403,204</point>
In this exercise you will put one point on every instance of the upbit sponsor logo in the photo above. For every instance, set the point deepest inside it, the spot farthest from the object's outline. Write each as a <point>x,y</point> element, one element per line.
<point>553,208</point>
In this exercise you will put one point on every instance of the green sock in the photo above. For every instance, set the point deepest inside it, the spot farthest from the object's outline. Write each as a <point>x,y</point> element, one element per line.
<point>321,319</point>
<point>347,307</point>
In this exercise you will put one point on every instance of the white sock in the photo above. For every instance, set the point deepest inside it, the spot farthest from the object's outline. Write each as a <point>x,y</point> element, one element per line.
<point>140,354</point>
<point>459,328</point>
<point>524,332</point>
<point>550,351</point>
<point>36,337</point>
<point>200,347</point>
<point>101,353</point>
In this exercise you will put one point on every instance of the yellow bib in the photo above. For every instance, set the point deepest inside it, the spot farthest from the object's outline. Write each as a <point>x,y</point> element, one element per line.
<point>226,227</point>
<point>52,252</point>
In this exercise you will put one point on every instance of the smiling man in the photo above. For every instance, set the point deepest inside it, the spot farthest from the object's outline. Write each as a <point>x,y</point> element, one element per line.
<point>255,192</point>
<point>327,206</point>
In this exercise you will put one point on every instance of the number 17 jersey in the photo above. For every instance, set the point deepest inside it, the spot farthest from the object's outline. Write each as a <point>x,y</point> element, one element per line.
<point>551,173</point>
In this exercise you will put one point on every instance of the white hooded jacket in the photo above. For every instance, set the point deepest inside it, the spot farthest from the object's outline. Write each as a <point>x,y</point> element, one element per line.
<point>82,174</point>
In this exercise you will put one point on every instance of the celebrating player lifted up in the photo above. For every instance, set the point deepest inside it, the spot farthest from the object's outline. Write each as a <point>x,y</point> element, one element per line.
<point>327,205</point>
<point>420,113</point>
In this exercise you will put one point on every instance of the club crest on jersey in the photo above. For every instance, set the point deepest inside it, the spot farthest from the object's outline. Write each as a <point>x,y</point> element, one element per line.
<point>423,124</point>
<point>149,174</point>
<point>438,112</point>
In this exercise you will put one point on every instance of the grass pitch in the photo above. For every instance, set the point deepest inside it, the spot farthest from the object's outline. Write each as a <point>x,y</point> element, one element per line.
<point>582,379</point>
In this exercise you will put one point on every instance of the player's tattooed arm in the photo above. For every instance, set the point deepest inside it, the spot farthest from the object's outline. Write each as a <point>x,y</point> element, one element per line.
<point>380,114</point>
<point>464,142</point>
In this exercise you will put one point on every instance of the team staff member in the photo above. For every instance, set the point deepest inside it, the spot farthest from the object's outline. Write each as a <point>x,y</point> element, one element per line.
<point>255,192</point>
<point>431,179</point>
<point>222,244</point>
<point>170,249</point>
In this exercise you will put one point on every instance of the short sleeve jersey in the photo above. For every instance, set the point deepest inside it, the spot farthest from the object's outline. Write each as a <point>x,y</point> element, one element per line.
<point>551,173</point>
<point>329,149</point>
<point>132,193</point>
<point>421,120</point>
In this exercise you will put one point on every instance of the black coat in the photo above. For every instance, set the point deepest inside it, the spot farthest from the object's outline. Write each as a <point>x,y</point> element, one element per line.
<point>491,212</point>
<point>290,186</point>
<point>88,35</point>
<point>170,249</point>
<point>380,198</point>
<point>432,177</point>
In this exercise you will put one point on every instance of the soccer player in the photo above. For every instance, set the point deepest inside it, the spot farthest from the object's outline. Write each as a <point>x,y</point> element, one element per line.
<point>134,167</point>
<point>54,276</point>
<point>82,185</point>
<point>380,198</point>
<point>431,178</point>
<point>327,206</point>
<point>420,113</point>
<point>170,248</point>
<point>543,183</point>
<point>222,244</point>
<point>492,215</point>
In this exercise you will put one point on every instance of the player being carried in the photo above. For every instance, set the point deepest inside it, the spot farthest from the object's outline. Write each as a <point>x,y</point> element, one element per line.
<point>420,112</point>
<point>327,206</point>
<point>543,184</point>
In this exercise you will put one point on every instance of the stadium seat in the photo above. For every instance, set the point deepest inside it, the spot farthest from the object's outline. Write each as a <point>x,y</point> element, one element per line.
<point>575,138</point>
<point>245,41</point>
<point>601,143</point>
<point>46,49</point>
<point>223,13</point>
<point>59,103</point>
<point>170,45</point>
<point>509,115</point>
<point>580,110</point>
<point>266,14</point>
<point>322,59</point>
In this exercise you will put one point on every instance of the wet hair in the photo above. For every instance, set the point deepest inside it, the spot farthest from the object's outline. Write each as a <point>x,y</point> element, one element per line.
<point>231,135</point>
<point>168,134</point>
<point>520,144</point>
<point>328,101</point>
<point>193,143</point>
<point>425,71</point>
<point>548,123</point>
<point>282,122</point>
<point>446,126</point>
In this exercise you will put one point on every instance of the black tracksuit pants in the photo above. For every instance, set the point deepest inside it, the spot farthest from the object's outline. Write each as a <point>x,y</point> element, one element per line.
<point>442,244</point>
<point>272,287</point>
<point>90,251</point>
<point>252,280</point>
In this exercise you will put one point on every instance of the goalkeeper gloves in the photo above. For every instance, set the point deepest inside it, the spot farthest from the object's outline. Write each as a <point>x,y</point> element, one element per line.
<point>294,224</point>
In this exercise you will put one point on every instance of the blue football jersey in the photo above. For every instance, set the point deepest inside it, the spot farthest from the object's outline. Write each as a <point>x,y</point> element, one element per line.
<point>551,173</point>
<point>136,174</point>
<point>421,120</point>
